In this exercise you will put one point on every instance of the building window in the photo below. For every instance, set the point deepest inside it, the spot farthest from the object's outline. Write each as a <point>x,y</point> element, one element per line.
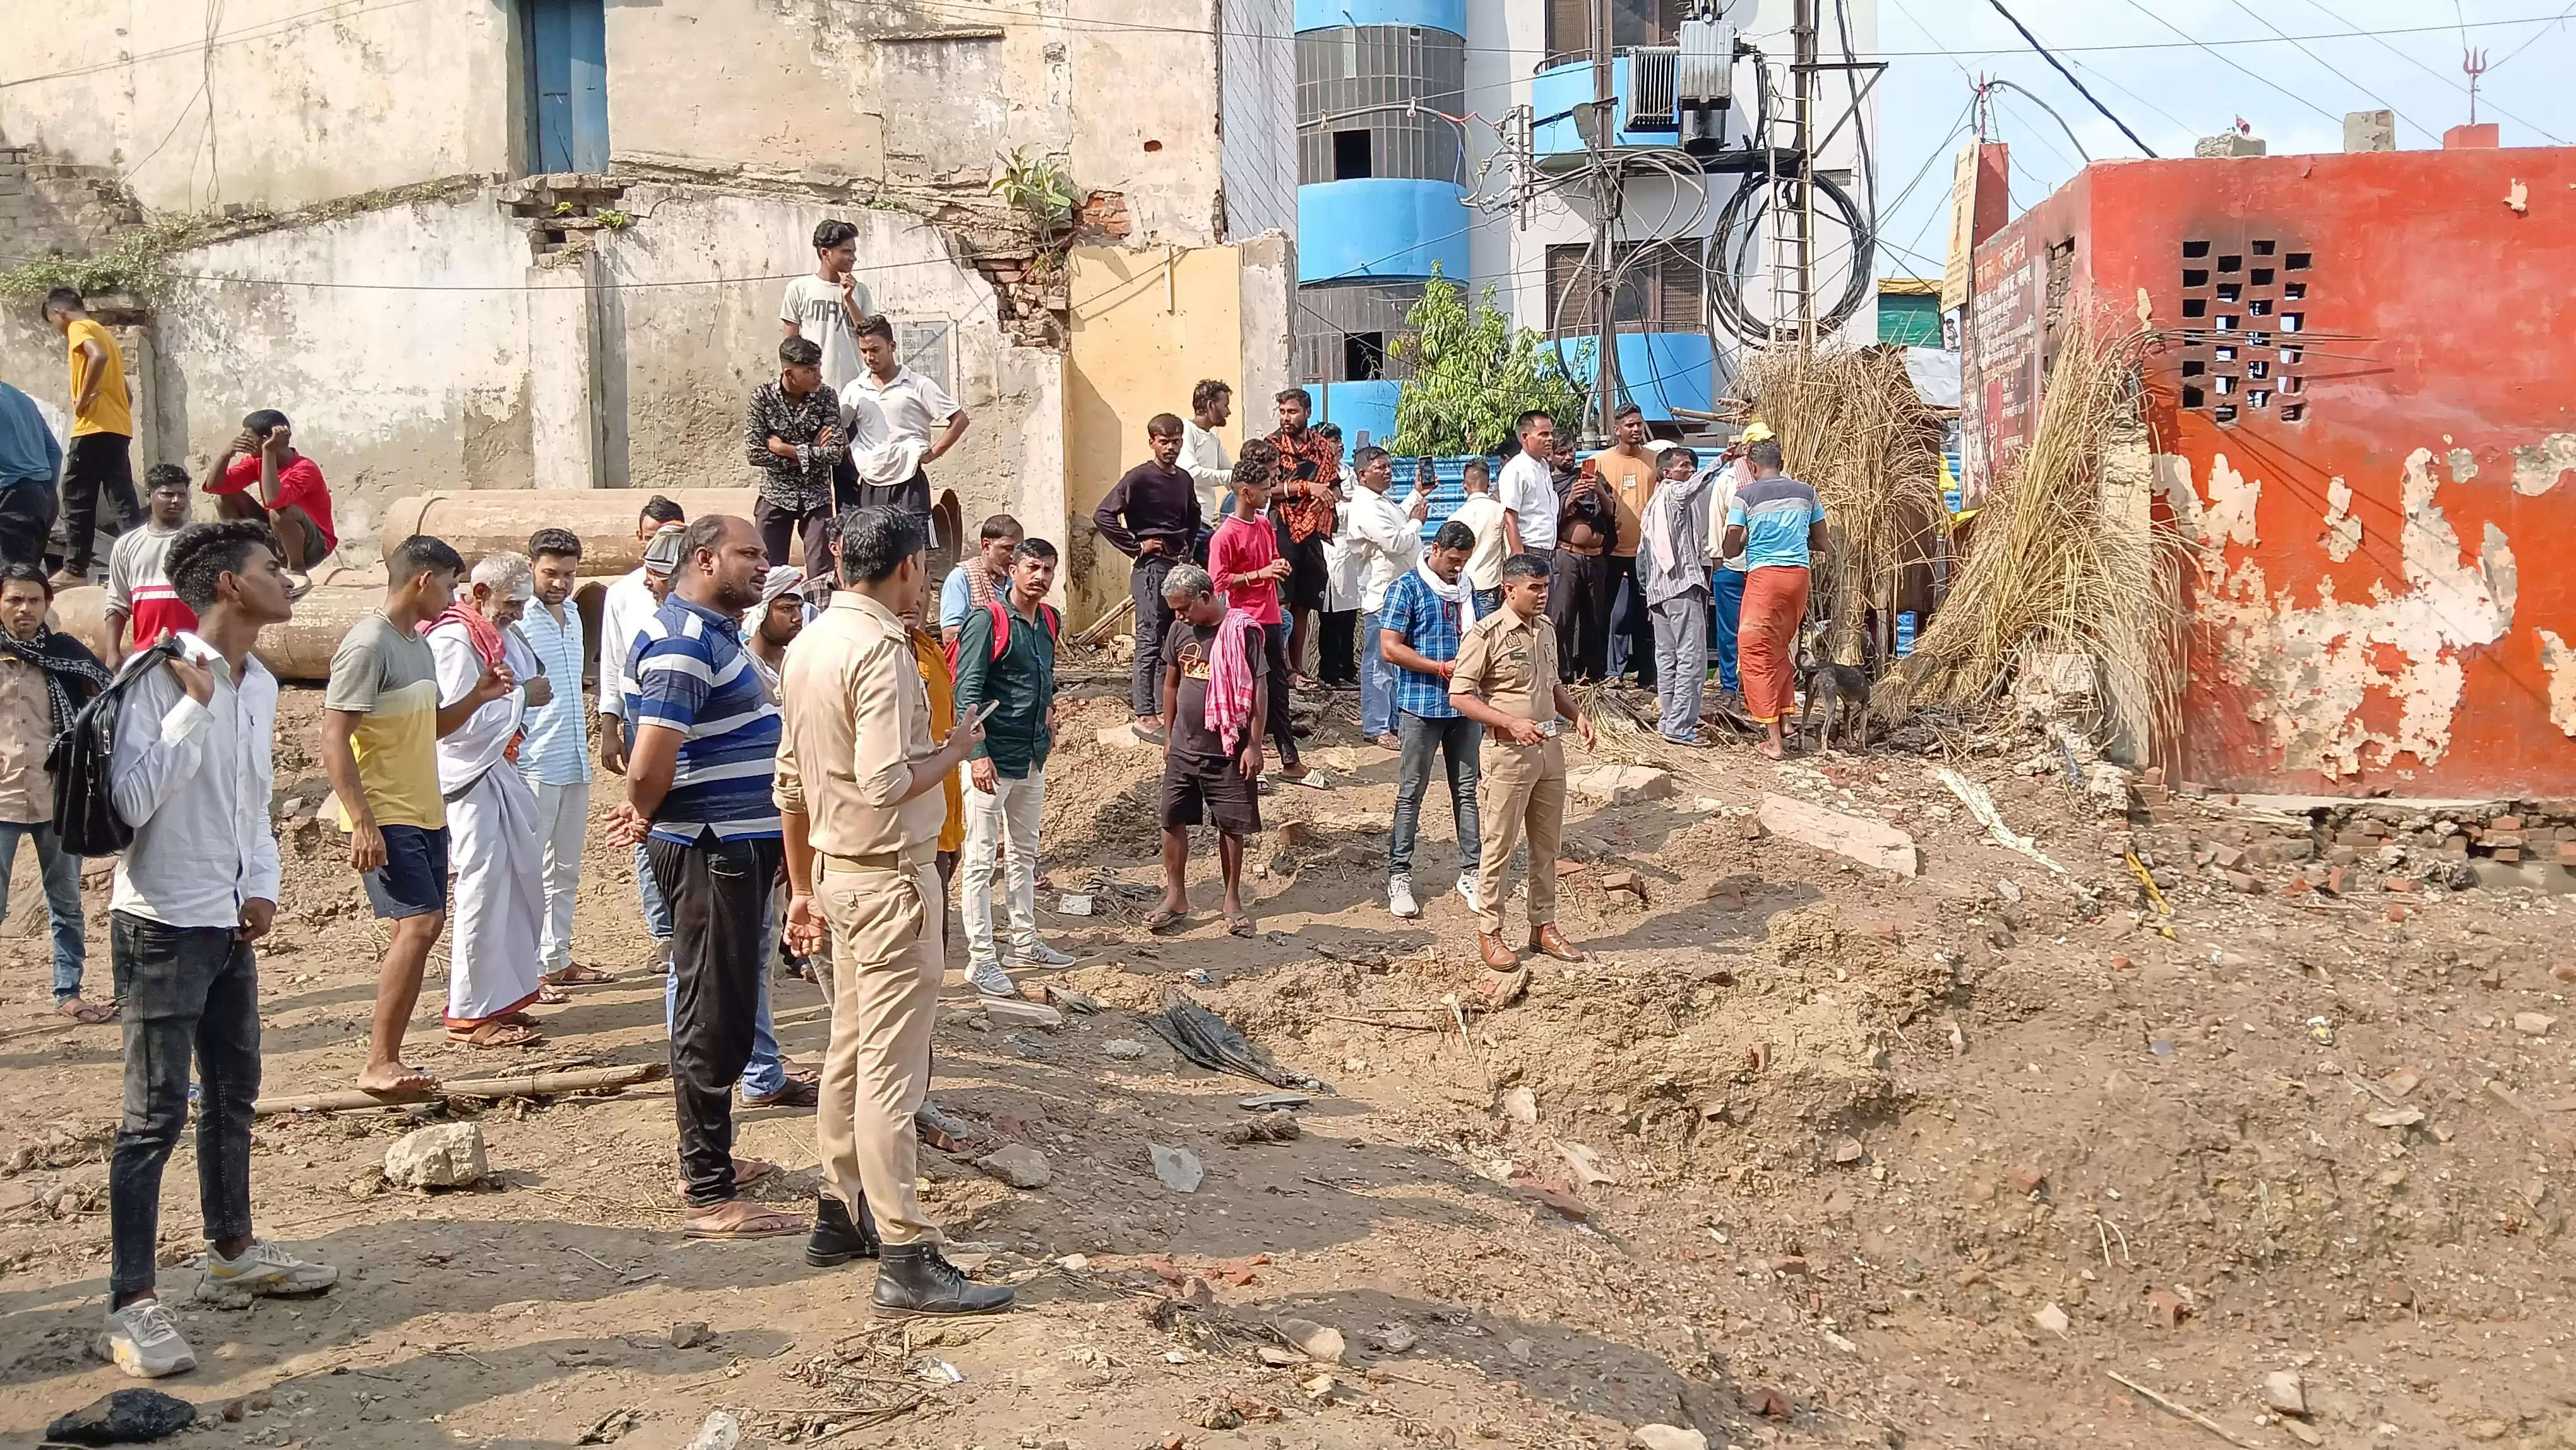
<point>1661,289</point>
<point>1363,357</point>
<point>1632,23</point>
<point>1351,155</point>
<point>564,45</point>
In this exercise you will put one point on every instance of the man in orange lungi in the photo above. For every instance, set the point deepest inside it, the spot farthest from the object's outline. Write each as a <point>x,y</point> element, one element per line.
<point>1777,525</point>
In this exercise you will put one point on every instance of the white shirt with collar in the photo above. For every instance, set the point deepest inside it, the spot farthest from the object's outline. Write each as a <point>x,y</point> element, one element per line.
<point>905,406</point>
<point>1389,537</point>
<point>194,781</point>
<point>1203,457</point>
<point>1528,491</point>
<point>622,612</point>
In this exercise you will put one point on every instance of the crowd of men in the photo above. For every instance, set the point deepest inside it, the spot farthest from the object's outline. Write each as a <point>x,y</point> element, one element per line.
<point>817,755</point>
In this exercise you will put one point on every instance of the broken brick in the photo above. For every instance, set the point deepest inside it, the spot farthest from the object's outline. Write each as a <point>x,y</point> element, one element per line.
<point>2505,823</point>
<point>1559,1197</point>
<point>2025,1179</point>
<point>1758,1056</point>
<point>2396,883</point>
<point>2398,912</point>
<point>2243,882</point>
<point>2166,1310</point>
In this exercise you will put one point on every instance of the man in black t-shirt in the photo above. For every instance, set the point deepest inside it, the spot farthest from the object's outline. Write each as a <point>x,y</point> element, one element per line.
<point>1203,781</point>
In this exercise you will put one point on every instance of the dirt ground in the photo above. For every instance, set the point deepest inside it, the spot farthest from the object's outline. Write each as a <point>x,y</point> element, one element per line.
<point>1810,1153</point>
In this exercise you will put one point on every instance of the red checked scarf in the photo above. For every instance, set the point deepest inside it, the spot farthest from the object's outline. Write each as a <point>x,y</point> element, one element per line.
<point>482,633</point>
<point>1229,687</point>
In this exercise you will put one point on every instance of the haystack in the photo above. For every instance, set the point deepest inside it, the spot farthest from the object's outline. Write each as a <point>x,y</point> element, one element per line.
<point>1851,424</point>
<point>2067,558</point>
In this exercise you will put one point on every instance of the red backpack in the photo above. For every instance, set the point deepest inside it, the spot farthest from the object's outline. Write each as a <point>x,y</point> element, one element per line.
<point>1002,617</point>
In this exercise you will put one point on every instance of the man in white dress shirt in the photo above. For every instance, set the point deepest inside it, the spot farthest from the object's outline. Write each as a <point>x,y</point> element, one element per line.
<point>888,412</point>
<point>197,886</point>
<point>1203,457</point>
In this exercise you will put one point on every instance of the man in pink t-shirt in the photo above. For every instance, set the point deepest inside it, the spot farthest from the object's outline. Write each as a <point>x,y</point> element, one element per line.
<point>1243,559</point>
<point>289,494</point>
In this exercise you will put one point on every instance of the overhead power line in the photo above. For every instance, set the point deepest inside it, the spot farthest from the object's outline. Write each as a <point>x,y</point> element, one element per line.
<point>2107,114</point>
<point>2334,116</point>
<point>2257,18</point>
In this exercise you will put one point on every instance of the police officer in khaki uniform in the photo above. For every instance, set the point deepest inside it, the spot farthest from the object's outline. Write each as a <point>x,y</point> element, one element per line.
<point>860,803</point>
<point>1506,680</point>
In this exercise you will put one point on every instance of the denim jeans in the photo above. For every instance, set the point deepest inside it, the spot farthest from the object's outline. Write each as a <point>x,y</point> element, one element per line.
<point>187,988</point>
<point>60,870</point>
<point>1153,622</point>
<point>1728,606</point>
<point>657,907</point>
<point>1377,681</point>
<point>767,1072</point>
<point>1457,741</point>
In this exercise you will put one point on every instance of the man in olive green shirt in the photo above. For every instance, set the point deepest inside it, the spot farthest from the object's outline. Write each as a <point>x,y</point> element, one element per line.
<point>1006,661</point>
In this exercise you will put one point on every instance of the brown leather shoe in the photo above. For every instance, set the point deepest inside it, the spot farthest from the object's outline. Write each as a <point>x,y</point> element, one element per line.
<point>1551,941</point>
<point>1497,956</point>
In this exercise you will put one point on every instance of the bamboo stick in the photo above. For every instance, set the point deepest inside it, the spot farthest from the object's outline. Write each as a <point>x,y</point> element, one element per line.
<point>520,1085</point>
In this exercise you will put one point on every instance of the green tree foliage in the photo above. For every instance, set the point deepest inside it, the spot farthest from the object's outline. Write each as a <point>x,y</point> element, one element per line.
<point>1473,374</point>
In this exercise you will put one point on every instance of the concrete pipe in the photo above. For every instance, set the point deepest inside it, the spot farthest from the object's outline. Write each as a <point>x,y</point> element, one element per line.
<point>476,522</point>
<point>300,650</point>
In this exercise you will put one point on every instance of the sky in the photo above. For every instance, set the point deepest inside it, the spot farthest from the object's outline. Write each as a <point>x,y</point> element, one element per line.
<point>2171,92</point>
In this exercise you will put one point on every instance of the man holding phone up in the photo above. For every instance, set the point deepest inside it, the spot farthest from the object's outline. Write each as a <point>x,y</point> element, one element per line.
<point>1506,680</point>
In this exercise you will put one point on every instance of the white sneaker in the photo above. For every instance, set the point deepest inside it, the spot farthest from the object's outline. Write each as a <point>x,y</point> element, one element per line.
<point>1399,898</point>
<point>145,1344</point>
<point>988,978</point>
<point>1467,892</point>
<point>1041,955</point>
<point>264,1268</point>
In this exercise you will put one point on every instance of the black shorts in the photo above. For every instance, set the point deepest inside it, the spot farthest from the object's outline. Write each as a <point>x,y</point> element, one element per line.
<point>413,880</point>
<point>1204,790</point>
<point>1307,576</point>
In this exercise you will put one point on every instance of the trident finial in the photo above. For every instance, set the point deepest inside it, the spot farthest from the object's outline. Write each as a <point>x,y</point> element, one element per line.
<point>2475,64</point>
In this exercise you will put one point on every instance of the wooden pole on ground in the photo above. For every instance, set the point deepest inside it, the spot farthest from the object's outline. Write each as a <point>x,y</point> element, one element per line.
<point>522,1085</point>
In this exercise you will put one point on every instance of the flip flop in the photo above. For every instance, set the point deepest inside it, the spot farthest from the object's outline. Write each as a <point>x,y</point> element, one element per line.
<point>497,1033</point>
<point>551,996</point>
<point>1162,919</point>
<point>1240,926</point>
<point>88,1013</point>
<point>747,1222</point>
<point>577,975</point>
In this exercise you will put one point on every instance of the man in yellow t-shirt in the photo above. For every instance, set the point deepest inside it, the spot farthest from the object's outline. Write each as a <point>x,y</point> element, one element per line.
<point>1628,472</point>
<point>102,435</point>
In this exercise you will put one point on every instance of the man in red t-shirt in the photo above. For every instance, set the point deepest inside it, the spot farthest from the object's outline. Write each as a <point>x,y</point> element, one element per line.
<point>1243,559</point>
<point>291,497</point>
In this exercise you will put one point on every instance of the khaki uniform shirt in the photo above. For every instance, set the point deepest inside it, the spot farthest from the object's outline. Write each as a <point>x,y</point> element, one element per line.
<point>1511,663</point>
<point>26,734</point>
<point>854,716</point>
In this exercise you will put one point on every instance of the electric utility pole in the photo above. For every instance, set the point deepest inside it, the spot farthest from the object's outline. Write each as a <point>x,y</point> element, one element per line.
<point>1606,203</point>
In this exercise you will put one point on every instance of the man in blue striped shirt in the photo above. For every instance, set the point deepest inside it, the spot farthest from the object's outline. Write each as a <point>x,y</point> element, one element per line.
<point>698,797</point>
<point>554,752</point>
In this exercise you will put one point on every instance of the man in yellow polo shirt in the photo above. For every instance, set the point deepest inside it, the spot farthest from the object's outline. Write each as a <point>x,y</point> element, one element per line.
<point>101,456</point>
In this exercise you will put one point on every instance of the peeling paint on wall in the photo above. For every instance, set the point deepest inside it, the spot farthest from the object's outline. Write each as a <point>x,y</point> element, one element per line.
<point>2343,531</point>
<point>2537,466</point>
<point>2464,465</point>
<point>2311,669</point>
<point>2560,662</point>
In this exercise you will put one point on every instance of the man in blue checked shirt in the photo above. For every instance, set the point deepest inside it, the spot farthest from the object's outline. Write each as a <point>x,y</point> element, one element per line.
<point>554,752</point>
<point>698,797</point>
<point>1418,629</point>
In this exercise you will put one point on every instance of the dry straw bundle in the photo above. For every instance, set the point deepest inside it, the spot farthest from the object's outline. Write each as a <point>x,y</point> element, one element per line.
<point>1850,424</point>
<point>2066,557</point>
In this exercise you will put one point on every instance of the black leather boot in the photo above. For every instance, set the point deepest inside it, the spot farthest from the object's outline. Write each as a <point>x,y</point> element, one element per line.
<point>836,1239</point>
<point>916,1279</point>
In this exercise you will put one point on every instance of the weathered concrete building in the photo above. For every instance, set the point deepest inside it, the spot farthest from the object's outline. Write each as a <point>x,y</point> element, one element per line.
<point>514,243</point>
<point>2368,448</point>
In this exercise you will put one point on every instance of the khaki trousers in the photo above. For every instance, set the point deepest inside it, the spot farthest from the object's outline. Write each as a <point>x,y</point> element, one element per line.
<point>888,943</point>
<point>1523,790</point>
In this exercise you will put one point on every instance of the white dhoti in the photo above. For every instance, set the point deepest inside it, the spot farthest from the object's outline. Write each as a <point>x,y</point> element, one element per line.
<point>498,905</point>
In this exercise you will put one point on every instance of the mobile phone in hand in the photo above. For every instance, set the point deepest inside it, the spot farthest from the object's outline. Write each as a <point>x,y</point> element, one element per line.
<point>983,712</point>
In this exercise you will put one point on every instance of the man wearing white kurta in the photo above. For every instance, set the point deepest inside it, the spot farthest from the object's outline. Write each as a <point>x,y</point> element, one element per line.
<point>491,814</point>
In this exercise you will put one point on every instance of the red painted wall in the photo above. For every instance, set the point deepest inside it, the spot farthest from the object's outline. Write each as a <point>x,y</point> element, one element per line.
<point>2385,594</point>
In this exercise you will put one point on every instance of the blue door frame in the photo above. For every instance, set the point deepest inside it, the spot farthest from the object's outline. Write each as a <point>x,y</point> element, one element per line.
<point>566,45</point>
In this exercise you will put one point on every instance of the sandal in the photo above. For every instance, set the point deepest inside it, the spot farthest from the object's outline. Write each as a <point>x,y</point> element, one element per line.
<point>549,995</point>
<point>88,1013</point>
<point>1162,919</point>
<point>577,975</point>
<point>736,1219</point>
<point>1240,925</point>
<point>497,1032</point>
<point>793,1093</point>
